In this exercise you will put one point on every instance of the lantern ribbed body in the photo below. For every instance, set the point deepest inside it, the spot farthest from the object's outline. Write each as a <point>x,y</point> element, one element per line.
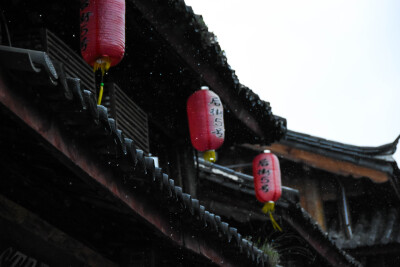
<point>206,120</point>
<point>102,30</point>
<point>267,177</point>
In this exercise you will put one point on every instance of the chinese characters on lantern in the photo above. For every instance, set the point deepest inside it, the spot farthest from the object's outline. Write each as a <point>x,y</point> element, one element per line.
<point>217,114</point>
<point>85,16</point>
<point>265,174</point>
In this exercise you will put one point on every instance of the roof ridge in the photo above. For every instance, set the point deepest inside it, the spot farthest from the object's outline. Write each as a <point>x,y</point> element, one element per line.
<point>81,116</point>
<point>306,139</point>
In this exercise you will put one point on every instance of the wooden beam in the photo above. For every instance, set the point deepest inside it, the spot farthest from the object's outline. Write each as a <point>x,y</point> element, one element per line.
<point>92,170</point>
<point>44,237</point>
<point>311,200</point>
<point>328,164</point>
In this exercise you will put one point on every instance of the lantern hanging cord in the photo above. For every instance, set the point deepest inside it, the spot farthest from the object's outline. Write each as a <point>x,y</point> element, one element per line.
<point>269,207</point>
<point>101,91</point>
<point>3,18</point>
<point>103,64</point>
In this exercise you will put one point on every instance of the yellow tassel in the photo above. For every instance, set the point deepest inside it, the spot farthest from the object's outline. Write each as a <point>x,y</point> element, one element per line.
<point>103,64</point>
<point>210,156</point>
<point>269,207</point>
<point>100,93</point>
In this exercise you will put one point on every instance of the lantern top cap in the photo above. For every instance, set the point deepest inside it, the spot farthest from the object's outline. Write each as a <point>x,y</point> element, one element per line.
<point>267,151</point>
<point>204,87</point>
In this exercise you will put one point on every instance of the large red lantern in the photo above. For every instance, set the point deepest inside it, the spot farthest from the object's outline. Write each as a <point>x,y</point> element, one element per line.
<point>102,33</point>
<point>267,182</point>
<point>206,122</point>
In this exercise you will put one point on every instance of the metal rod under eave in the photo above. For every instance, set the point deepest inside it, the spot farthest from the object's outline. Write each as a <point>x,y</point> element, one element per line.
<point>345,212</point>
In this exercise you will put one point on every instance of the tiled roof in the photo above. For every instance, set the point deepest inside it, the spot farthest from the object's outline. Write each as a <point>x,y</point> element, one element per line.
<point>375,163</point>
<point>303,222</point>
<point>375,158</point>
<point>177,23</point>
<point>290,210</point>
<point>77,111</point>
<point>374,229</point>
<point>309,142</point>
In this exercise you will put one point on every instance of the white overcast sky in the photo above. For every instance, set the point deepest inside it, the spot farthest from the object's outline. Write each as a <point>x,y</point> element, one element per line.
<point>331,68</point>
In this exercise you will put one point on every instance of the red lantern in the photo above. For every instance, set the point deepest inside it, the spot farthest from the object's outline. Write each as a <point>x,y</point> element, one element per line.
<point>206,122</point>
<point>267,182</point>
<point>267,177</point>
<point>102,32</point>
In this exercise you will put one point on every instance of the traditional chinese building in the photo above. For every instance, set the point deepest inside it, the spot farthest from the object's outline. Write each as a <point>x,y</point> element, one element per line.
<point>351,191</point>
<point>117,184</point>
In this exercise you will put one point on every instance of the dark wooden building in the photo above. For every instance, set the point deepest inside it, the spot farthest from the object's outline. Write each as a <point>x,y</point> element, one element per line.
<point>350,191</point>
<point>80,185</point>
<point>118,184</point>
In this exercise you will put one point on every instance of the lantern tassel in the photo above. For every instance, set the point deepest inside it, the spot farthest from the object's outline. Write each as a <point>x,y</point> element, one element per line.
<point>102,64</point>
<point>269,208</point>
<point>210,156</point>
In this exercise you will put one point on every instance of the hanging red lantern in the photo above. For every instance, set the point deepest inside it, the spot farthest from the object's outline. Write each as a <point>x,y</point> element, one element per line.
<point>102,33</point>
<point>206,122</point>
<point>267,182</point>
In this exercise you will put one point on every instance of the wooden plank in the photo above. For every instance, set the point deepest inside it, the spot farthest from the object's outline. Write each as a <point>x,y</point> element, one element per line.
<point>328,164</point>
<point>50,239</point>
<point>129,103</point>
<point>121,94</point>
<point>131,119</point>
<point>135,125</point>
<point>56,48</point>
<point>132,133</point>
<point>130,115</point>
<point>312,200</point>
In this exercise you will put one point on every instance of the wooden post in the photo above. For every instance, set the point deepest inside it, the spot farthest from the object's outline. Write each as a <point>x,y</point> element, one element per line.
<point>312,200</point>
<point>189,172</point>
